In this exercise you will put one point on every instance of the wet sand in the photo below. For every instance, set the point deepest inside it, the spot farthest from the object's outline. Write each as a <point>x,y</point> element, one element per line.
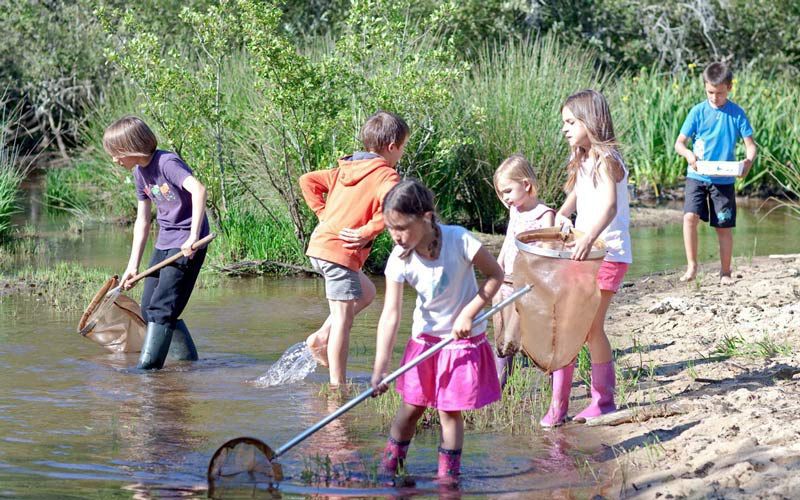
<point>723,361</point>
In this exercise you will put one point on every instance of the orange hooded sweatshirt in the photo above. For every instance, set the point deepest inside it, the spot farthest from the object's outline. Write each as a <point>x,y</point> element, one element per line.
<point>350,196</point>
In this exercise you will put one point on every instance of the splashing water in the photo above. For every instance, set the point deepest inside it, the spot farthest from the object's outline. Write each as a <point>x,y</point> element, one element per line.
<point>294,365</point>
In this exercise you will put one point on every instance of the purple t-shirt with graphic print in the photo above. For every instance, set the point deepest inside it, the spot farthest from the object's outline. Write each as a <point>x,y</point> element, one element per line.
<point>161,182</point>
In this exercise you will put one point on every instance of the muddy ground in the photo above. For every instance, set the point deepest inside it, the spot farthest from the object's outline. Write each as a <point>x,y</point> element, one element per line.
<point>721,362</point>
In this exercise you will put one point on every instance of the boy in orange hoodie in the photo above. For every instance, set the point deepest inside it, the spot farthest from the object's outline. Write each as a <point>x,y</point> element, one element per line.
<point>348,202</point>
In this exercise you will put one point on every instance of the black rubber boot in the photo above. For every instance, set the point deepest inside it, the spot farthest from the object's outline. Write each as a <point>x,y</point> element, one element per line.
<point>156,347</point>
<point>182,347</point>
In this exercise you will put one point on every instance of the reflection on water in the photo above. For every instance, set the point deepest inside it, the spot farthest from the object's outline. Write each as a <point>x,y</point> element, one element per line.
<point>75,419</point>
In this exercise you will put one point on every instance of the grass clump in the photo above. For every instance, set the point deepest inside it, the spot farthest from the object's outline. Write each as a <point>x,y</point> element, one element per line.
<point>11,175</point>
<point>764,348</point>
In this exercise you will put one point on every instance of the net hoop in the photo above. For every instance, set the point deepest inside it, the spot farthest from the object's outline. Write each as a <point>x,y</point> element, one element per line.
<point>213,474</point>
<point>554,234</point>
<point>84,326</point>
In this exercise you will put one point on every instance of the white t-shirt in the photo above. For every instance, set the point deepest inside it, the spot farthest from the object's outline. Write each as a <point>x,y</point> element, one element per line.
<point>444,286</point>
<point>519,222</point>
<point>616,235</point>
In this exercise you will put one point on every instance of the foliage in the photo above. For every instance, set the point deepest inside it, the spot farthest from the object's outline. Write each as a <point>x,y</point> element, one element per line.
<point>650,106</point>
<point>11,174</point>
<point>52,62</point>
<point>510,103</point>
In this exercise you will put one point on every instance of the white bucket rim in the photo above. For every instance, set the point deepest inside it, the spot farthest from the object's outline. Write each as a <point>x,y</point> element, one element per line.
<point>598,250</point>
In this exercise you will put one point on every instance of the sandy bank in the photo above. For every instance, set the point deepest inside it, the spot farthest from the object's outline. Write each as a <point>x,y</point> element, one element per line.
<point>724,361</point>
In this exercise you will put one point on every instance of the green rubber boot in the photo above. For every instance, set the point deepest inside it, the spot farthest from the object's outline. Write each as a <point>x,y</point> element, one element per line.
<point>182,347</point>
<point>156,347</point>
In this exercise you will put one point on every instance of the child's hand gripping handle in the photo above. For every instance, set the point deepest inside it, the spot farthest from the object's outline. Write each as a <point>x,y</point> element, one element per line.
<point>127,282</point>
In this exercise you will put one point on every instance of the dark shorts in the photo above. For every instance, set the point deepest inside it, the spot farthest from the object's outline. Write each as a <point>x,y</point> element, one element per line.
<point>715,203</point>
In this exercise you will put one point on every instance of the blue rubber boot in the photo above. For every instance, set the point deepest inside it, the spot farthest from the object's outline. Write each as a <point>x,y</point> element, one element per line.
<point>182,347</point>
<point>156,347</point>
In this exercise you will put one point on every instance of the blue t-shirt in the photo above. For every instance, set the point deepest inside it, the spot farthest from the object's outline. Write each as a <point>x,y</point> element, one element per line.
<point>718,129</point>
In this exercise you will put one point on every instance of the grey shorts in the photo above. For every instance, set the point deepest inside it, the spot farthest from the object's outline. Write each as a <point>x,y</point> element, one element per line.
<point>341,283</point>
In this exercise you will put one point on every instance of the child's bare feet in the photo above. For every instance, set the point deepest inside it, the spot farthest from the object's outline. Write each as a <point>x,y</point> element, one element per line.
<point>689,275</point>
<point>318,348</point>
<point>726,279</point>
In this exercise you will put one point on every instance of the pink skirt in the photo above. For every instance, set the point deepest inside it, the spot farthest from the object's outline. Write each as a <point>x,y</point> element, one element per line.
<point>461,376</point>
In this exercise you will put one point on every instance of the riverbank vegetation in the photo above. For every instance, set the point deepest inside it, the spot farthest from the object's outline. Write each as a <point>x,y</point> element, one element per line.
<point>253,94</point>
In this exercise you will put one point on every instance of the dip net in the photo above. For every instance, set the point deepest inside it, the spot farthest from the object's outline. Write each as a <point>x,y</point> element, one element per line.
<point>554,319</point>
<point>242,463</point>
<point>113,321</point>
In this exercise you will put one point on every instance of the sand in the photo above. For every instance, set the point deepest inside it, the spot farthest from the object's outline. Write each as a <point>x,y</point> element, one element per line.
<point>725,360</point>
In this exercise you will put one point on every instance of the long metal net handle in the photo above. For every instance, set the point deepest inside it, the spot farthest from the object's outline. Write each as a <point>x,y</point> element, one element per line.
<point>392,376</point>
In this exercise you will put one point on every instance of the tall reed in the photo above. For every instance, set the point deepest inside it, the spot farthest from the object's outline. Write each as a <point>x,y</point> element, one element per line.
<point>510,103</point>
<point>11,174</point>
<point>649,108</point>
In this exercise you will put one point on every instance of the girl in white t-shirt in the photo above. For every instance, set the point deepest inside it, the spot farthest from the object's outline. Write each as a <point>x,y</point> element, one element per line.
<point>437,260</point>
<point>516,186</point>
<point>597,189</point>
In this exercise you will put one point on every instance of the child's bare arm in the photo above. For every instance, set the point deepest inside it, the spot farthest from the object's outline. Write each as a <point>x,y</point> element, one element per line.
<point>387,333</point>
<point>750,150</point>
<point>567,209</point>
<point>141,228</point>
<point>483,260</point>
<point>199,195</point>
<point>683,150</point>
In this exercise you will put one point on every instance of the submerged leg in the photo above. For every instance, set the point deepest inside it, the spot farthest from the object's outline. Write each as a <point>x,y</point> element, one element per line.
<point>156,347</point>
<point>451,445</point>
<point>394,455</point>
<point>449,465</point>
<point>182,347</point>
<point>318,341</point>
<point>403,427</point>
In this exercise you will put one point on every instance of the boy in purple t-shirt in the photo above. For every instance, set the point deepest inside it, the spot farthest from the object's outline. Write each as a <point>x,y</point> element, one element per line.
<point>162,178</point>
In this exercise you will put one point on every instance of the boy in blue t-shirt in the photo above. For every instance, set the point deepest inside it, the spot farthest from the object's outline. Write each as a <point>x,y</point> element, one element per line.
<point>714,126</point>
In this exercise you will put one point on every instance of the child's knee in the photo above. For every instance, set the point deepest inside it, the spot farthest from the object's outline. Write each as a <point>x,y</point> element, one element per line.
<point>450,416</point>
<point>691,219</point>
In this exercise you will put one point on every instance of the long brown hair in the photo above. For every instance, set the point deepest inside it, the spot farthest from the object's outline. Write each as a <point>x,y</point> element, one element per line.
<point>591,109</point>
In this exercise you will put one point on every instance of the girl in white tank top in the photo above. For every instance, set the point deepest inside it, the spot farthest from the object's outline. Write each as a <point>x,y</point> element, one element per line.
<point>597,189</point>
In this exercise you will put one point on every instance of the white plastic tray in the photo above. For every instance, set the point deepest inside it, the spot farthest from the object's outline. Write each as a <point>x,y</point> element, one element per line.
<point>720,168</point>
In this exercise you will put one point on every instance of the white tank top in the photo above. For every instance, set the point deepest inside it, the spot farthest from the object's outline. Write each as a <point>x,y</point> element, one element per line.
<point>588,198</point>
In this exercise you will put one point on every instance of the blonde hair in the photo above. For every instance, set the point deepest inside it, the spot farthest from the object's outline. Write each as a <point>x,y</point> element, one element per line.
<point>516,168</point>
<point>591,109</point>
<point>129,136</point>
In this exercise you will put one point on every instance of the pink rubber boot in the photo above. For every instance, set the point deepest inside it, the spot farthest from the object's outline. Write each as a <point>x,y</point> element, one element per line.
<point>393,455</point>
<point>449,465</point>
<point>562,384</point>
<point>603,384</point>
